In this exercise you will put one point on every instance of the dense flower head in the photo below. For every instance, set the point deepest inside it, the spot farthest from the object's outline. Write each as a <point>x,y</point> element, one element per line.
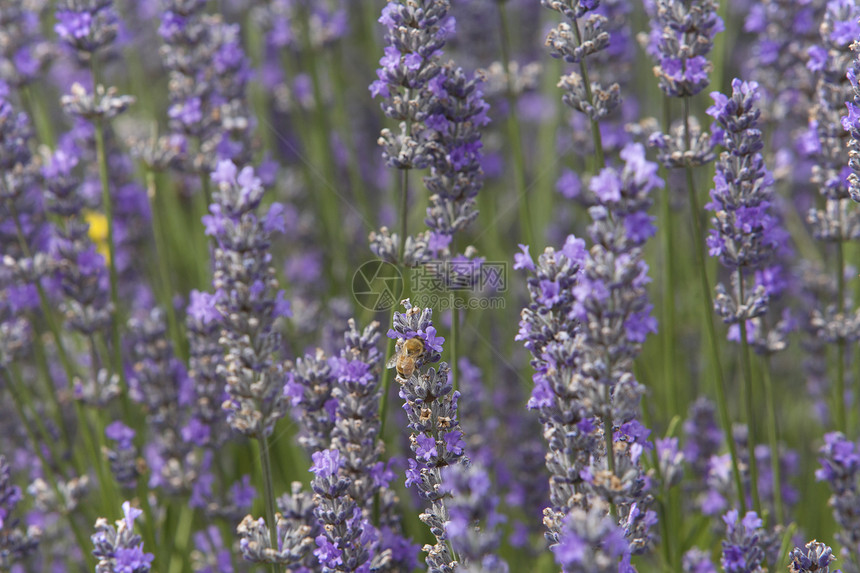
<point>416,33</point>
<point>119,548</point>
<point>745,235</point>
<point>86,25</point>
<point>590,541</point>
<point>840,468</point>
<point>473,502</point>
<point>209,114</point>
<point>417,323</point>
<point>742,548</point>
<point>584,34</point>
<point>814,556</point>
<point>457,112</point>
<point>15,543</point>
<point>682,35</point>
<point>248,300</point>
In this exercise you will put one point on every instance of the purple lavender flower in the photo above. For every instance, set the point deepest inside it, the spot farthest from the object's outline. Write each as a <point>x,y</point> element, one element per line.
<point>123,459</point>
<point>814,557</point>
<point>837,220</point>
<point>350,541</point>
<point>415,36</point>
<point>473,502</point>
<point>248,299</point>
<point>159,381</point>
<point>24,53</point>
<point>745,543</point>
<point>840,468</point>
<point>682,34</point>
<point>208,81</point>
<point>86,25</point>
<point>697,561</point>
<point>83,274</point>
<point>585,35</point>
<point>293,541</point>
<point>23,234</point>
<point>745,234</point>
<point>456,112</point>
<point>588,540</point>
<point>436,439</point>
<point>120,548</point>
<point>309,390</point>
<point>203,324</point>
<point>210,555</point>
<point>15,542</point>
<point>355,434</point>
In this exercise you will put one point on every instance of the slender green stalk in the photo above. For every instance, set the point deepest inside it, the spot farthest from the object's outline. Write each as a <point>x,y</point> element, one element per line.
<point>179,341</point>
<point>404,217</point>
<point>455,339</point>
<point>268,492</point>
<point>319,134</point>
<point>773,437</point>
<point>668,326</point>
<point>179,558</point>
<point>752,434</point>
<point>44,128</point>
<point>839,398</point>
<point>107,204</point>
<point>595,126</point>
<point>518,159</point>
<point>699,247</point>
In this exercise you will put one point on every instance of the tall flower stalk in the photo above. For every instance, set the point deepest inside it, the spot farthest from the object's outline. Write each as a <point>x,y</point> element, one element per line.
<point>436,440</point>
<point>249,302</point>
<point>745,237</point>
<point>588,317</point>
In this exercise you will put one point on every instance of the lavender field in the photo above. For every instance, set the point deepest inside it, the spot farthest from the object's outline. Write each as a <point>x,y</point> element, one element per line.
<point>535,286</point>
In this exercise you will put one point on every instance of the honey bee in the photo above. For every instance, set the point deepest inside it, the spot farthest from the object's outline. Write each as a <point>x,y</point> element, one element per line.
<point>406,353</point>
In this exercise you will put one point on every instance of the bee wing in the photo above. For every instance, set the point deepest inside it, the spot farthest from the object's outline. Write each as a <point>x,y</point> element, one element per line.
<point>392,362</point>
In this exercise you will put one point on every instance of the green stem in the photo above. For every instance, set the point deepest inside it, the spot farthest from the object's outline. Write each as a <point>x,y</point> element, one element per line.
<point>518,161</point>
<point>269,493</point>
<point>841,417</point>
<point>404,216</point>
<point>752,434</point>
<point>698,237</point>
<point>179,341</point>
<point>455,339</point>
<point>773,437</point>
<point>114,291</point>
<point>668,326</point>
<point>44,128</point>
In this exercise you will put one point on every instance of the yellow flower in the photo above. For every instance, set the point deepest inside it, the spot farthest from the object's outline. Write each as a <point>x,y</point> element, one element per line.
<point>98,233</point>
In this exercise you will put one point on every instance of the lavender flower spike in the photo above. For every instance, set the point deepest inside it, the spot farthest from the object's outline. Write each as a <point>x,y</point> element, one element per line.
<point>682,34</point>
<point>840,468</point>
<point>431,406</point>
<point>248,299</point>
<point>745,235</point>
<point>120,548</point>
<point>15,543</point>
<point>815,557</point>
